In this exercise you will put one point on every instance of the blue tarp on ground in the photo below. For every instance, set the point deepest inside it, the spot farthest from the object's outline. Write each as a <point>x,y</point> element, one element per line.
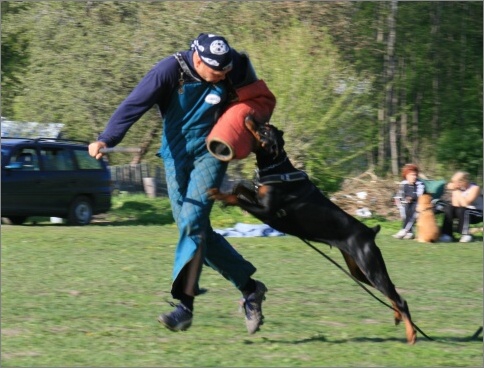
<point>241,230</point>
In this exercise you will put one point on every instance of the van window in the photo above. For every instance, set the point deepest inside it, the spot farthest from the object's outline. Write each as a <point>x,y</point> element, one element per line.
<point>28,158</point>
<point>57,159</point>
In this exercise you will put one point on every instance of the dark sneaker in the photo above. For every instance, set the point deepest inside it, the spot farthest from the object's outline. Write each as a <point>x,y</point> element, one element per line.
<point>253,308</point>
<point>178,320</point>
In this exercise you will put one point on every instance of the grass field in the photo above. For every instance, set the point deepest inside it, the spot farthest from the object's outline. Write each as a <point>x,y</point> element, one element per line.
<point>89,296</point>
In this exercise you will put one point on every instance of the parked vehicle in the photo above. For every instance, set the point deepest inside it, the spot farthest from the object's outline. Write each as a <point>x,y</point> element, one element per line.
<point>52,177</point>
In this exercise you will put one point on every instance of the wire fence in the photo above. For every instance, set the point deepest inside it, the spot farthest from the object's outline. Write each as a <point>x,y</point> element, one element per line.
<point>150,179</point>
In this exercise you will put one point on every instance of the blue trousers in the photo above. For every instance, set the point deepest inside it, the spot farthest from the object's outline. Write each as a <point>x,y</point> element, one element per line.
<point>188,180</point>
<point>410,219</point>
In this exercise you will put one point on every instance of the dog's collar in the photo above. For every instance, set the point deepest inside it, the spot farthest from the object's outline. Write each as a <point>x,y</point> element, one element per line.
<point>279,178</point>
<point>274,165</point>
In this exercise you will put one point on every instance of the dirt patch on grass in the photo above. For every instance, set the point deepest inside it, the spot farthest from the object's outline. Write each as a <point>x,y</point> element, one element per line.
<point>10,332</point>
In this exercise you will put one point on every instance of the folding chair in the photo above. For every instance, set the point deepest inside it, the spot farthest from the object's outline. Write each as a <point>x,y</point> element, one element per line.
<point>472,216</point>
<point>436,189</point>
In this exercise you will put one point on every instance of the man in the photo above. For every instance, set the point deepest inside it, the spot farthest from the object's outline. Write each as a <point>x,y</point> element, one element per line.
<point>191,89</point>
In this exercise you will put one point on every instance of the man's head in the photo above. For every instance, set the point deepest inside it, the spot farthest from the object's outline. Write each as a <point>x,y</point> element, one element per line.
<point>212,57</point>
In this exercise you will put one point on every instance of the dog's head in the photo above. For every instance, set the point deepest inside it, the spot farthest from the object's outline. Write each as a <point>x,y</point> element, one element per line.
<point>269,139</point>
<point>424,202</point>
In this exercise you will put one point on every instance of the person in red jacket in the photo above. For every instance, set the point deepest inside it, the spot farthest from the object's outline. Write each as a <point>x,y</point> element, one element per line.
<point>410,189</point>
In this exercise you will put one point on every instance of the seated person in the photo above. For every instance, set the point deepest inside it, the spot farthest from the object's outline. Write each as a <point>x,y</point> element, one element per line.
<point>466,206</point>
<point>410,189</point>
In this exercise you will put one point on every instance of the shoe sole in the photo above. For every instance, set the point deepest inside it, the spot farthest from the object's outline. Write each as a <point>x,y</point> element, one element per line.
<point>179,327</point>
<point>258,326</point>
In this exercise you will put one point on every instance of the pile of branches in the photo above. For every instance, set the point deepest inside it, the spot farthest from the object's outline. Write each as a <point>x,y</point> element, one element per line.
<point>368,196</point>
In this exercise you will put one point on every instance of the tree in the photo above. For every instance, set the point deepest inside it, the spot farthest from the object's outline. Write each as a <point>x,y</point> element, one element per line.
<point>355,91</point>
<point>15,56</point>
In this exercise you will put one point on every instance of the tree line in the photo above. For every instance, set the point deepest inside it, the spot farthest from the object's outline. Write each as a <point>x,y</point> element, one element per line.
<point>360,86</point>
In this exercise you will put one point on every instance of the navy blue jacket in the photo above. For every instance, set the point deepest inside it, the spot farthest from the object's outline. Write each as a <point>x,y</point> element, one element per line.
<point>156,88</point>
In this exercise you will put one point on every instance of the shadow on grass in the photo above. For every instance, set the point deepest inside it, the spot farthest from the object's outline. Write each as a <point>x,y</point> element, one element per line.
<point>138,213</point>
<point>321,338</point>
<point>130,213</point>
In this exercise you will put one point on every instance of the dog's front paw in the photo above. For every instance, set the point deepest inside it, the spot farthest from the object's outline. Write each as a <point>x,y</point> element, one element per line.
<point>228,199</point>
<point>214,194</point>
<point>213,191</point>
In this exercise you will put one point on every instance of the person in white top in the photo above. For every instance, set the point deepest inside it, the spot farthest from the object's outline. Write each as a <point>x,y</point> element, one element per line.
<point>466,206</point>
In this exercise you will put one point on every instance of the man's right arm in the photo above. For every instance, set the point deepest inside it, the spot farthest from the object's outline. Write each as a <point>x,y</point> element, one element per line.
<point>154,88</point>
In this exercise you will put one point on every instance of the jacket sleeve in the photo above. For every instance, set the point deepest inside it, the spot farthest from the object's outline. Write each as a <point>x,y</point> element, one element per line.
<point>401,189</point>
<point>420,188</point>
<point>152,89</point>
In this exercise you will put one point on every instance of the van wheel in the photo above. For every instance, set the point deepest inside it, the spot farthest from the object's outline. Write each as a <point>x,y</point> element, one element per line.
<point>80,212</point>
<point>15,220</point>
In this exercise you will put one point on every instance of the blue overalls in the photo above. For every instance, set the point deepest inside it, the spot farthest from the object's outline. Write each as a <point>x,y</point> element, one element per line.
<point>190,171</point>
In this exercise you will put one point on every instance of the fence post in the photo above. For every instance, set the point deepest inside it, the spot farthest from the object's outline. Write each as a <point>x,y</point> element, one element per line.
<point>149,187</point>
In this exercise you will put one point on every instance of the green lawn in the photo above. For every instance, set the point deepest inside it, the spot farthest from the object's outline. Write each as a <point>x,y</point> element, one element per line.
<point>89,296</point>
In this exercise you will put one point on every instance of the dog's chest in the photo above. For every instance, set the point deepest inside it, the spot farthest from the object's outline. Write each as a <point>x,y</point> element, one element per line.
<point>284,194</point>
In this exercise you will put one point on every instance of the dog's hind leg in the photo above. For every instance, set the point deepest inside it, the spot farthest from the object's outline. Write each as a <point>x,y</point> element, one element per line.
<point>410,331</point>
<point>354,269</point>
<point>396,313</point>
<point>400,306</point>
<point>360,276</point>
<point>370,261</point>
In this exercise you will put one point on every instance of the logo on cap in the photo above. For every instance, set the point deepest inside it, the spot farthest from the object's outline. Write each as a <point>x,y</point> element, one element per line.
<point>219,47</point>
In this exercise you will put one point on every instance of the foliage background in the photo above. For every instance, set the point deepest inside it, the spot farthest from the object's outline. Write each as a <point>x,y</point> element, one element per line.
<point>361,86</point>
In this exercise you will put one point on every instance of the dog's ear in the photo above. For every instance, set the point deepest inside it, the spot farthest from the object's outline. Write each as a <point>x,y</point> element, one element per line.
<point>252,126</point>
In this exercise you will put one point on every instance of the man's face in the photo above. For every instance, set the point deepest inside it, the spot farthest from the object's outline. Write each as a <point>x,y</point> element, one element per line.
<point>208,74</point>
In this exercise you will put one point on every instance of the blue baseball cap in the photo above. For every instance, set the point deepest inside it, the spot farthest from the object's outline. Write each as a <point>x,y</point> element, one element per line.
<point>214,51</point>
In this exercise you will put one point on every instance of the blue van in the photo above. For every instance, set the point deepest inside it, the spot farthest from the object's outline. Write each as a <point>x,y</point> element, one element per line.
<point>52,177</point>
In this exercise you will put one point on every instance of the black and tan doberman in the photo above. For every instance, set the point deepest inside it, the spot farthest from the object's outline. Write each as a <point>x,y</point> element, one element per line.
<point>289,202</point>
